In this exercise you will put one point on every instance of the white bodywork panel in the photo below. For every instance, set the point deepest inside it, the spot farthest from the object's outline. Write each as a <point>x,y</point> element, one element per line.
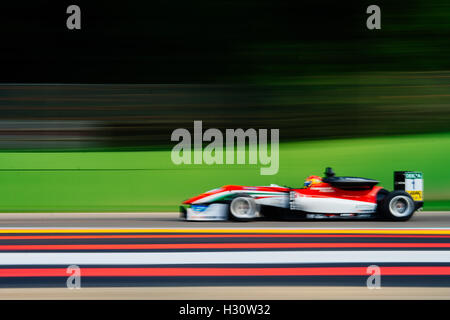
<point>332,205</point>
<point>319,204</point>
<point>281,201</point>
<point>213,212</point>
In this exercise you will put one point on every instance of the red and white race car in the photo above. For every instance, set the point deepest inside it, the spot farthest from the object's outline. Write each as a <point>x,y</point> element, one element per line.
<point>327,197</point>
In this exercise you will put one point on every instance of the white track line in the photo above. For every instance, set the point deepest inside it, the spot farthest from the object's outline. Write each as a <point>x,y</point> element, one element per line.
<point>244,257</point>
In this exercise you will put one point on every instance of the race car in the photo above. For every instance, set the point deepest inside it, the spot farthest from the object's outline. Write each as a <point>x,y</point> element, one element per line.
<point>330,197</point>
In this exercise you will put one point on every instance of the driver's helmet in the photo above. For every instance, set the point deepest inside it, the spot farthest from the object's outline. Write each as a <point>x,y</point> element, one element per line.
<point>312,180</point>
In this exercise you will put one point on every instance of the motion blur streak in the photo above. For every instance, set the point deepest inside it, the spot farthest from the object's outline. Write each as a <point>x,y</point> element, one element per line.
<point>79,117</point>
<point>223,272</point>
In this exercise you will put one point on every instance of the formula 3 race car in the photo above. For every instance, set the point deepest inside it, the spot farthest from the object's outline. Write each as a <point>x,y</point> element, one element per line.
<point>330,197</point>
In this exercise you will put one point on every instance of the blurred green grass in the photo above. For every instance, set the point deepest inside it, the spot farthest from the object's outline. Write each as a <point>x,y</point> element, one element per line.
<point>149,181</point>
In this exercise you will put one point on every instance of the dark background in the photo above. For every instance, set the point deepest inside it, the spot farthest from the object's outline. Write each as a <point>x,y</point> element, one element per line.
<point>310,68</point>
<point>215,41</point>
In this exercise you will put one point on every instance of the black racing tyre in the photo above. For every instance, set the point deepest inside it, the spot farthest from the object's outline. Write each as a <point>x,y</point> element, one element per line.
<point>243,208</point>
<point>397,205</point>
<point>381,194</point>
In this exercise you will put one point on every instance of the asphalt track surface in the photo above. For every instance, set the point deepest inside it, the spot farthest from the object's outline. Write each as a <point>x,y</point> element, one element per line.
<point>171,220</point>
<point>157,250</point>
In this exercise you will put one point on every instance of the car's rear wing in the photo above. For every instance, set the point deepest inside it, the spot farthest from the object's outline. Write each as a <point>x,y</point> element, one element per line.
<point>411,182</point>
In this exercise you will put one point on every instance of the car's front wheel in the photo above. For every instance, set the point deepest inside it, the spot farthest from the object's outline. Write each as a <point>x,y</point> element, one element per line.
<point>398,206</point>
<point>243,209</point>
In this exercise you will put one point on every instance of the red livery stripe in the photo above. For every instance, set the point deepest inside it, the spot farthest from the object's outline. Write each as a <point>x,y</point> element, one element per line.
<point>180,236</point>
<point>205,272</point>
<point>219,246</point>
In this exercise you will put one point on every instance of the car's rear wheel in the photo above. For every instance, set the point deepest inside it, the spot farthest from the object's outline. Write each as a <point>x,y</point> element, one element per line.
<point>397,206</point>
<point>243,209</point>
